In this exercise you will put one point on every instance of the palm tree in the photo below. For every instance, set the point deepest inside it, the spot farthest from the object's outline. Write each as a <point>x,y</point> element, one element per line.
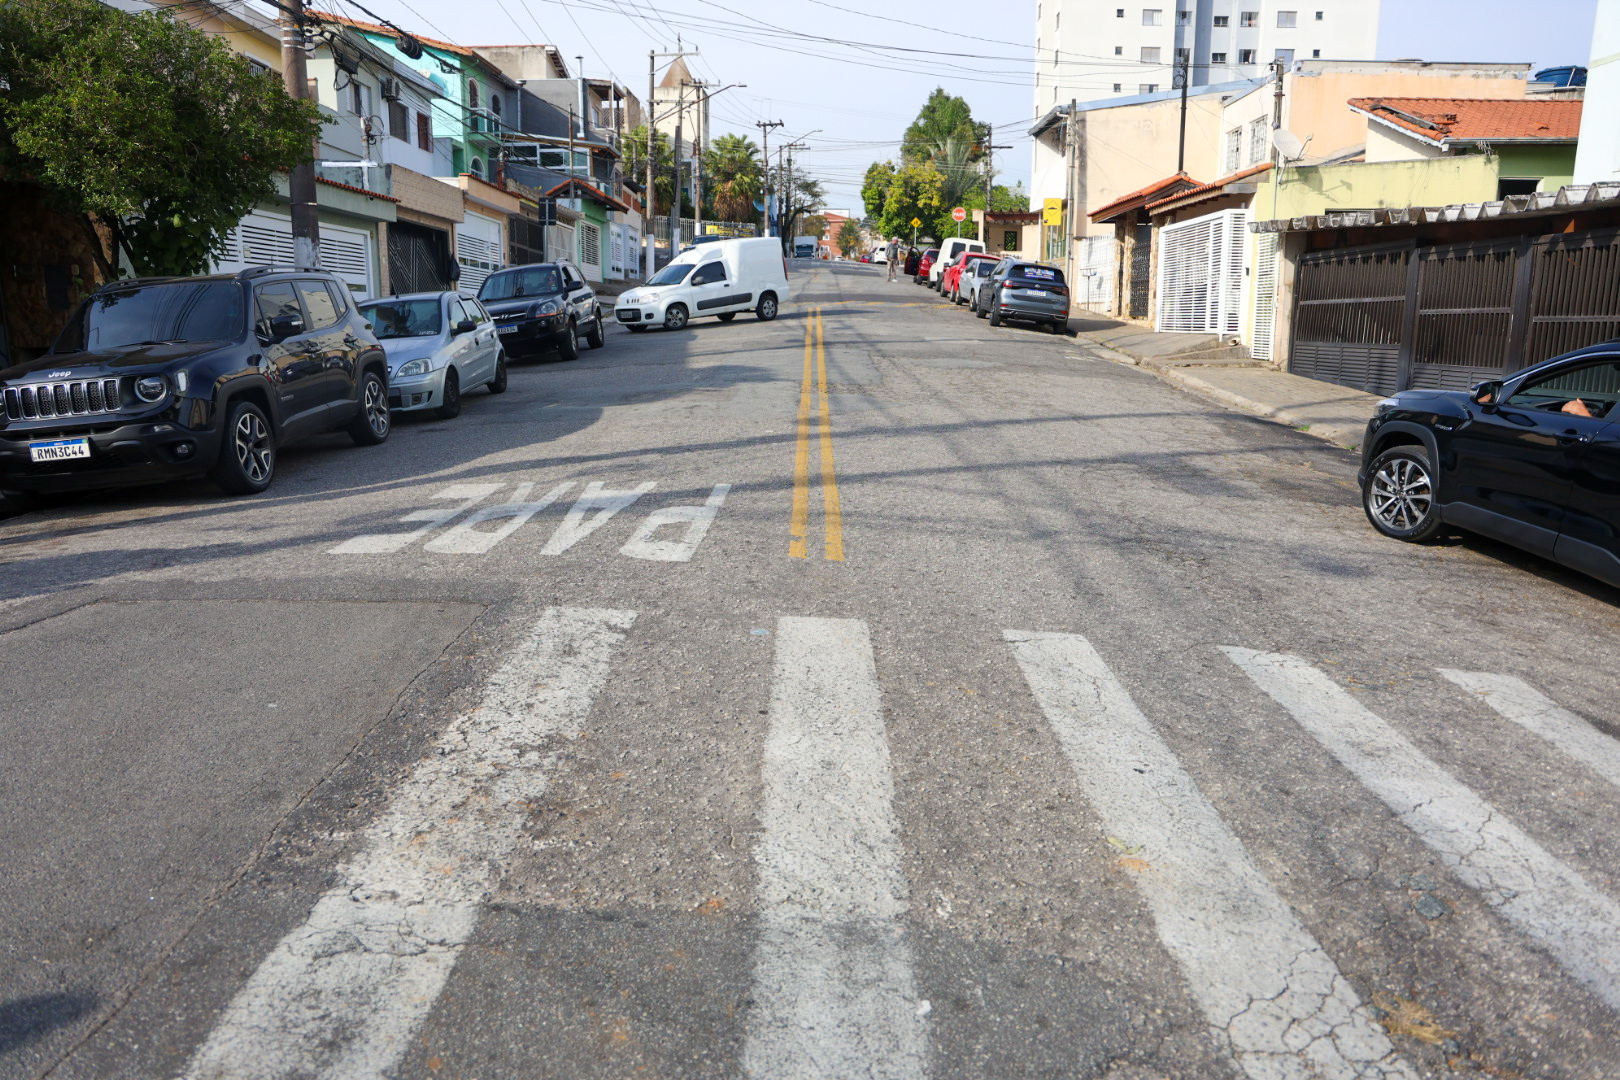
<point>733,168</point>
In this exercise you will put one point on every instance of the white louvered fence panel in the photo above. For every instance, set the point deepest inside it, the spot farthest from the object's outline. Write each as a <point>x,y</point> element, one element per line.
<point>1265,297</point>
<point>1201,274</point>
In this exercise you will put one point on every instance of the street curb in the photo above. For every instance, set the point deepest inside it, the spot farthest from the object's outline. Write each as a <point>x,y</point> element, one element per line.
<point>1346,438</point>
<point>1338,435</point>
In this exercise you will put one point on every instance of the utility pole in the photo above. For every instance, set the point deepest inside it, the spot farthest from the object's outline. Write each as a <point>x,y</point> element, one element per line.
<point>651,201</point>
<point>989,182</point>
<point>765,160</point>
<point>1276,111</point>
<point>785,218</point>
<point>675,203</point>
<point>306,227</point>
<point>1184,64</point>
<point>1071,189</point>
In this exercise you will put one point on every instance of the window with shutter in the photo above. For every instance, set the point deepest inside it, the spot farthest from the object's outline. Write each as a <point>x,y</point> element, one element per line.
<point>424,131</point>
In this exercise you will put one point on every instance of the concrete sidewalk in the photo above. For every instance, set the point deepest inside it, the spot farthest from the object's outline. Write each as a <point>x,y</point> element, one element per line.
<point>1224,373</point>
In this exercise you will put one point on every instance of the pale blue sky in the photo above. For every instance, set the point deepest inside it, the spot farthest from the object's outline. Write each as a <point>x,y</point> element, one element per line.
<point>861,90</point>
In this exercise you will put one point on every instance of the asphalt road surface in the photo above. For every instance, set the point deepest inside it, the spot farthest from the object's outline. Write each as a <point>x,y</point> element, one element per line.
<point>868,693</point>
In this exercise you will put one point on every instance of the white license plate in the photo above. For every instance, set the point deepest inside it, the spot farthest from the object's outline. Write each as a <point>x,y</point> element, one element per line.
<point>507,329</point>
<point>59,449</point>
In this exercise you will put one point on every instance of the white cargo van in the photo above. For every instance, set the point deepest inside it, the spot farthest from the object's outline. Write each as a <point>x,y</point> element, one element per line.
<point>948,251</point>
<point>719,279</point>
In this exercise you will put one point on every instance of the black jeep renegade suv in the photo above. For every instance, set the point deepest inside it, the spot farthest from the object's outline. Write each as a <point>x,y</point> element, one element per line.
<point>162,378</point>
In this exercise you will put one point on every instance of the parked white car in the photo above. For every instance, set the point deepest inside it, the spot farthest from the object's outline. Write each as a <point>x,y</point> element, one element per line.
<point>719,279</point>
<point>880,256</point>
<point>439,345</point>
<point>948,251</point>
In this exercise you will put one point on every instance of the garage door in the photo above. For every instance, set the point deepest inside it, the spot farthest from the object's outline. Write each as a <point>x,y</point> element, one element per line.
<point>478,249</point>
<point>266,239</point>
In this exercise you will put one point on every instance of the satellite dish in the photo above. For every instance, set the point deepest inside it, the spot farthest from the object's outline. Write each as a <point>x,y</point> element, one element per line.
<point>1288,144</point>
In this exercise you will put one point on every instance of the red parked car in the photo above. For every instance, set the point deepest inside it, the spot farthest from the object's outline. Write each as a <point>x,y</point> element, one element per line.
<point>950,282</point>
<point>925,264</point>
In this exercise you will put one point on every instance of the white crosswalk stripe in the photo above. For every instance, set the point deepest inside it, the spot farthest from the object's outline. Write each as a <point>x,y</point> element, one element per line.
<point>1536,892</point>
<point>834,994</point>
<point>834,987</point>
<point>1265,985</point>
<point>340,995</point>
<point>1526,706</point>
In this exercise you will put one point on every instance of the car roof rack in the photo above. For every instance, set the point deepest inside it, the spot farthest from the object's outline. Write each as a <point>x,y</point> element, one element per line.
<point>257,271</point>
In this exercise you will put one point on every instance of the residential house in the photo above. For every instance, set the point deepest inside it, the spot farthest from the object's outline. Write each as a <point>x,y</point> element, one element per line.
<point>1118,142</point>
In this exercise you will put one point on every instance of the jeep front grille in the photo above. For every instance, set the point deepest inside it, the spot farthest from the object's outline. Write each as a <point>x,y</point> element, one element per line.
<point>42,401</point>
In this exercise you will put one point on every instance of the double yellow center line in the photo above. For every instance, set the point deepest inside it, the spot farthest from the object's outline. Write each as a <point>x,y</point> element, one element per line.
<point>815,386</point>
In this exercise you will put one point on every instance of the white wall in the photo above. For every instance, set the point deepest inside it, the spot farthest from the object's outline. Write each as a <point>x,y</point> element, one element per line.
<point>1597,156</point>
<point>1096,49</point>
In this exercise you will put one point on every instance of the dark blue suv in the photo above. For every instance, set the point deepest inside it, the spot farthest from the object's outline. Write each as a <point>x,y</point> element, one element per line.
<point>163,378</point>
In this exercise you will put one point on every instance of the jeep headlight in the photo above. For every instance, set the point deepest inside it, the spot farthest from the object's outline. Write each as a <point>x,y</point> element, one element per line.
<point>544,308</point>
<point>1386,405</point>
<point>151,388</point>
<point>412,368</point>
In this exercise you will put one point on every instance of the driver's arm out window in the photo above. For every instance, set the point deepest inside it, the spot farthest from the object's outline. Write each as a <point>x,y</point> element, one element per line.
<point>1590,390</point>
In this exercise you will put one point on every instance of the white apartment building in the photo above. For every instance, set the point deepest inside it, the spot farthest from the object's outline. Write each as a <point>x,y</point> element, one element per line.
<point>1090,49</point>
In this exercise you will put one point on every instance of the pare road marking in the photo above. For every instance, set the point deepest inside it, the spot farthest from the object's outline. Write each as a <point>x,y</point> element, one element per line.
<point>654,539</point>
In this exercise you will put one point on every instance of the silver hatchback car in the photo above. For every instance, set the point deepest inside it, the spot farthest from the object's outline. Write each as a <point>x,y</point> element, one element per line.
<point>439,346</point>
<point>1027,290</point>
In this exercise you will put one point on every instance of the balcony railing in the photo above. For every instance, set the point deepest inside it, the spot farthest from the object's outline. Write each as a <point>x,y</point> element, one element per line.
<point>371,177</point>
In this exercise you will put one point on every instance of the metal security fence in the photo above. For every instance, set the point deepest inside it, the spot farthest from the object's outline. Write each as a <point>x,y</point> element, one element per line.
<point>1445,316</point>
<point>1201,272</point>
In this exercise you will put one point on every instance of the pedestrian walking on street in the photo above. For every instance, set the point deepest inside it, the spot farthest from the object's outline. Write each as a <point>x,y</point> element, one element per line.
<point>893,254</point>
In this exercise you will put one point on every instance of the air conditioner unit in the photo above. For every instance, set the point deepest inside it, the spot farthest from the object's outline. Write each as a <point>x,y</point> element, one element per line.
<point>390,89</point>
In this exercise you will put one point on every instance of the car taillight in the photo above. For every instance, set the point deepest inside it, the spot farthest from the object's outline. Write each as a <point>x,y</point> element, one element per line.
<point>1061,290</point>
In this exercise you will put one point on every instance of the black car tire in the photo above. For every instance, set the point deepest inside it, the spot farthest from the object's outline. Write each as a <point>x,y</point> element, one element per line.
<point>247,454</point>
<point>372,424</point>
<point>675,317</point>
<point>1398,496</point>
<point>593,336</point>
<point>727,317</point>
<point>995,313</point>
<point>979,309</point>
<point>767,307</point>
<point>568,346</point>
<point>497,385</point>
<point>450,404</point>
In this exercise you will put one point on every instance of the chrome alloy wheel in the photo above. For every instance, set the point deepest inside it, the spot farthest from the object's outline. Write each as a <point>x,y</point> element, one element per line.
<point>1401,495</point>
<point>376,408</point>
<point>254,451</point>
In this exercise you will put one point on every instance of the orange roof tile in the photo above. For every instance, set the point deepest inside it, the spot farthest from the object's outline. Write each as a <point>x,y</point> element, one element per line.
<point>597,193</point>
<point>377,28</point>
<point>1142,196</point>
<point>1441,120</point>
<point>1206,189</point>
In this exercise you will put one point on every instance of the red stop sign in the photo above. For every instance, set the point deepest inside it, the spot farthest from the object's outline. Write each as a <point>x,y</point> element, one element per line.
<point>959,214</point>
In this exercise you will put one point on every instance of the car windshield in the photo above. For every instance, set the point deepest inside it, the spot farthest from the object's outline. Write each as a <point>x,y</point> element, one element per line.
<point>1037,273</point>
<point>673,274</point>
<point>150,314</point>
<point>404,318</point>
<point>931,253</point>
<point>526,281</point>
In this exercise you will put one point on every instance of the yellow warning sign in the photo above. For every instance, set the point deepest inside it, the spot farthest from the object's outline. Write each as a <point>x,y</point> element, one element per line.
<point>916,223</point>
<point>1052,212</point>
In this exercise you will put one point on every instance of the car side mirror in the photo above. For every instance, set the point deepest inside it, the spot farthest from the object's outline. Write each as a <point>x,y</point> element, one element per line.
<point>1486,393</point>
<point>466,326</point>
<point>285,326</point>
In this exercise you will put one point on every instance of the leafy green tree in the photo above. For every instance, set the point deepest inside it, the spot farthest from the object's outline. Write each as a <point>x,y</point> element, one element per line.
<point>735,177</point>
<point>143,126</point>
<point>849,238</point>
<point>894,194</point>
<point>635,164</point>
<point>1009,200</point>
<point>942,118</point>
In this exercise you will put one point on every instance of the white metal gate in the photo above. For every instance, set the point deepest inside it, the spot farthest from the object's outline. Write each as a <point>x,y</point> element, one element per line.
<point>478,250</point>
<point>1201,274</point>
<point>590,250</point>
<point>266,239</point>
<point>1265,297</point>
<point>559,242</point>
